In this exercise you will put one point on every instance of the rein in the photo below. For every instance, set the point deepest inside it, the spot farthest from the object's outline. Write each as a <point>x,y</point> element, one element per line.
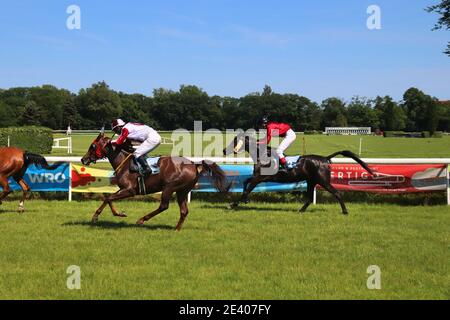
<point>119,168</point>
<point>121,165</point>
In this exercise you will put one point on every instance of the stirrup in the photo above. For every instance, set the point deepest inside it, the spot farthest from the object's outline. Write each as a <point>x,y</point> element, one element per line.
<point>145,171</point>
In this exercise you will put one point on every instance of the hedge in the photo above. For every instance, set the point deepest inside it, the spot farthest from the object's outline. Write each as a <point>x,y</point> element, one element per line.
<point>32,139</point>
<point>312,132</point>
<point>402,134</point>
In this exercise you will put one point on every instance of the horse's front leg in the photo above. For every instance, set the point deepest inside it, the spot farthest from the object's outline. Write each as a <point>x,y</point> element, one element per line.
<point>121,194</point>
<point>115,212</point>
<point>25,189</point>
<point>249,186</point>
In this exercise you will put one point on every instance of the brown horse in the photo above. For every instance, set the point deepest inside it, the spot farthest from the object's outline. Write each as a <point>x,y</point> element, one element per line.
<point>14,162</point>
<point>177,174</point>
<point>313,169</point>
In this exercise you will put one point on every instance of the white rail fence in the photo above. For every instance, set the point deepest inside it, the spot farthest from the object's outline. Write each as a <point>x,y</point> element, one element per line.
<point>230,160</point>
<point>57,144</point>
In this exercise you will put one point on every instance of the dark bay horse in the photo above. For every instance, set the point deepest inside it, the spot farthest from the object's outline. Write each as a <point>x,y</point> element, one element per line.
<point>177,174</point>
<point>313,169</point>
<point>13,163</point>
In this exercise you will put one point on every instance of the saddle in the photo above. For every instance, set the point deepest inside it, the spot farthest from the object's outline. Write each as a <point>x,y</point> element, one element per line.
<point>291,162</point>
<point>136,167</point>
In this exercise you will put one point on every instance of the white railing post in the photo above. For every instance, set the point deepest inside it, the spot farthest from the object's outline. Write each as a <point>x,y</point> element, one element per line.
<point>448,187</point>
<point>57,144</point>
<point>360,146</point>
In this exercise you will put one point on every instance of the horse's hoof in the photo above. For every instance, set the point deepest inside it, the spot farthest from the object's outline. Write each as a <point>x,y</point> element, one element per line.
<point>233,206</point>
<point>345,213</point>
<point>121,215</point>
<point>140,222</point>
<point>94,220</point>
<point>21,210</point>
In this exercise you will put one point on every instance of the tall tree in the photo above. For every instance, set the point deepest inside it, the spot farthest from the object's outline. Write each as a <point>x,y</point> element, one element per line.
<point>7,117</point>
<point>444,115</point>
<point>313,117</point>
<point>132,111</point>
<point>51,101</point>
<point>167,110</point>
<point>334,113</point>
<point>233,112</point>
<point>443,9</point>
<point>98,105</point>
<point>71,116</point>
<point>421,109</point>
<point>361,114</point>
<point>32,114</point>
<point>391,116</point>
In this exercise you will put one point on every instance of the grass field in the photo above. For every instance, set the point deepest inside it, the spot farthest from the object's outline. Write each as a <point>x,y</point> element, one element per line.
<point>264,251</point>
<point>372,146</point>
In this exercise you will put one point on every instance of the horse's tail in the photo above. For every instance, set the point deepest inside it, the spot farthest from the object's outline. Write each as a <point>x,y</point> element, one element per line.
<point>350,154</point>
<point>216,174</point>
<point>38,160</point>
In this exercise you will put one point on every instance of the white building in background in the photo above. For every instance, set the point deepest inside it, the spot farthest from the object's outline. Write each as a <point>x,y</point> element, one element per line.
<point>350,131</point>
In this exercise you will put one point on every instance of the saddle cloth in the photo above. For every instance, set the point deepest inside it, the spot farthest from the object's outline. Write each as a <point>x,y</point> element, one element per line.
<point>292,159</point>
<point>151,161</point>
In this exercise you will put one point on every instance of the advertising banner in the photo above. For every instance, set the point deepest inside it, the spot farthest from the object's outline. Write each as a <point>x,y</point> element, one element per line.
<point>86,179</point>
<point>405,178</point>
<point>237,174</point>
<point>45,180</point>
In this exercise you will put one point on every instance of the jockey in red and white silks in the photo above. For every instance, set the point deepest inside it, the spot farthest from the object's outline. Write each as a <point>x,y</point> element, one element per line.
<point>149,138</point>
<point>275,129</point>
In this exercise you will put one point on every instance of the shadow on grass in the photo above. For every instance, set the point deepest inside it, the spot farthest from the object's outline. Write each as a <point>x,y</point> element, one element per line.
<point>117,225</point>
<point>246,207</point>
<point>16,211</point>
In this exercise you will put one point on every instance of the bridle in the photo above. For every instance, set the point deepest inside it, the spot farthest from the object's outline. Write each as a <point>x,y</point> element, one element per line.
<point>103,150</point>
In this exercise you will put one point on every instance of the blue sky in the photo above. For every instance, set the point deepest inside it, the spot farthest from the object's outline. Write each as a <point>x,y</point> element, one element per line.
<point>228,47</point>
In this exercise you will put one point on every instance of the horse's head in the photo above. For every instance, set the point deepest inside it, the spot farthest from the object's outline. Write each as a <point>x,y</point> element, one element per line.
<point>237,146</point>
<point>98,149</point>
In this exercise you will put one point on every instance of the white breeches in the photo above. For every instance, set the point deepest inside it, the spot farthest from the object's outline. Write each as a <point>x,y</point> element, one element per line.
<point>287,141</point>
<point>153,141</point>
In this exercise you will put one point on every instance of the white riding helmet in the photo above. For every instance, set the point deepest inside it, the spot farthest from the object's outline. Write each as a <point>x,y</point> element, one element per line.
<point>117,123</point>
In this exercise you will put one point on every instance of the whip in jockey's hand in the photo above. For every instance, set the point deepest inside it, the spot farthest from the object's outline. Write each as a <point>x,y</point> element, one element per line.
<point>148,137</point>
<point>275,129</point>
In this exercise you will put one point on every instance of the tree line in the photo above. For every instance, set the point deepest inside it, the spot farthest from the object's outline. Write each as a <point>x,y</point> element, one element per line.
<point>93,107</point>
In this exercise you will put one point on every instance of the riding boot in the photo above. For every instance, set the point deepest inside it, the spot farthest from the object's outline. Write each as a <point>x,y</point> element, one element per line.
<point>283,165</point>
<point>146,170</point>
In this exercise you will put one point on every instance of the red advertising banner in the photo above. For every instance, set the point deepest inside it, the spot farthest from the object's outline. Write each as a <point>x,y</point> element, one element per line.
<point>390,178</point>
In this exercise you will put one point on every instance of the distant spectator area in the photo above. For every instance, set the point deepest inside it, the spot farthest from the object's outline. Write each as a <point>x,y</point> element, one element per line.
<point>350,131</point>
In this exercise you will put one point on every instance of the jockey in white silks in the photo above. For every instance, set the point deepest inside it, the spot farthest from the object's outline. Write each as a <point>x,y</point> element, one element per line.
<point>149,138</point>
